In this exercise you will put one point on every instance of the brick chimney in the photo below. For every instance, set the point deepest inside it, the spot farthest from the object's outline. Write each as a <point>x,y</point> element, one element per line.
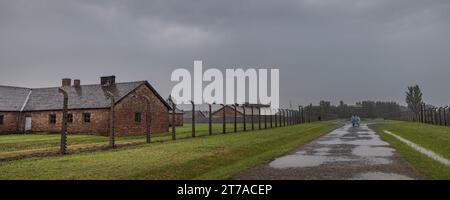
<point>76,82</point>
<point>66,82</point>
<point>107,80</point>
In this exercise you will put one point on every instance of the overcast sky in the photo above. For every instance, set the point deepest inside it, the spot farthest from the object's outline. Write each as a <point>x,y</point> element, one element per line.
<point>348,50</point>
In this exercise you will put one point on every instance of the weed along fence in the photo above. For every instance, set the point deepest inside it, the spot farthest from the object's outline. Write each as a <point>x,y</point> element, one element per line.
<point>427,114</point>
<point>227,119</point>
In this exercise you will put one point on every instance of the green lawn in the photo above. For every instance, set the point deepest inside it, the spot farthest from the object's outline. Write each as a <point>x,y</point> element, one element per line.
<point>216,157</point>
<point>24,144</point>
<point>434,138</point>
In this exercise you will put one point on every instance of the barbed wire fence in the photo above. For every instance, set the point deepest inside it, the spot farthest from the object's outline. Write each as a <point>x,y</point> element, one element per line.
<point>428,114</point>
<point>243,117</point>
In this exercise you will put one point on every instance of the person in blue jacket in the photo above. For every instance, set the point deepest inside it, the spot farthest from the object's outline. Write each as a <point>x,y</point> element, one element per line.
<point>353,120</point>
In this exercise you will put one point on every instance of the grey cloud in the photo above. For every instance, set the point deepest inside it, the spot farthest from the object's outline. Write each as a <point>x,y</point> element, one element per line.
<point>334,50</point>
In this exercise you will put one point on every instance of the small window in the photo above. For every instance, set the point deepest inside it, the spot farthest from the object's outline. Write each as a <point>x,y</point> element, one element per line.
<point>69,118</point>
<point>137,117</point>
<point>87,117</point>
<point>1,119</point>
<point>52,118</point>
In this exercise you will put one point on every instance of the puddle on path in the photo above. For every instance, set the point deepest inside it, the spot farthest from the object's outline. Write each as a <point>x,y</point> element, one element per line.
<point>358,146</point>
<point>380,176</point>
<point>378,161</point>
<point>373,151</point>
<point>292,161</point>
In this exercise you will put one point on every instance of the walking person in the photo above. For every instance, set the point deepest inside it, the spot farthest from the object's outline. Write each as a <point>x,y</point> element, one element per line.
<point>353,120</point>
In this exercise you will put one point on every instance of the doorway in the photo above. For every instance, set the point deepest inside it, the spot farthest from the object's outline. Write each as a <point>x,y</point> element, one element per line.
<point>27,124</point>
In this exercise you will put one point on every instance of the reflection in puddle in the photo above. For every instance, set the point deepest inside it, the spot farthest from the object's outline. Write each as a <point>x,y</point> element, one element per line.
<point>379,161</point>
<point>381,176</point>
<point>373,151</point>
<point>292,161</point>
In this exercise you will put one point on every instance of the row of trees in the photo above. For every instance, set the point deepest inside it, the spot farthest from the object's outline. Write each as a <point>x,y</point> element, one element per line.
<point>366,109</point>
<point>375,109</point>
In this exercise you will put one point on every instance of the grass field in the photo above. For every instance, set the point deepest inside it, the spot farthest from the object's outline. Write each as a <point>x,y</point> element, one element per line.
<point>24,144</point>
<point>212,157</point>
<point>434,138</point>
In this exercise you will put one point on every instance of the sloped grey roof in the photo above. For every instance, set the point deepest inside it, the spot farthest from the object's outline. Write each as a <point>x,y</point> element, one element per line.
<point>82,97</point>
<point>178,111</point>
<point>188,113</point>
<point>12,98</point>
<point>248,110</point>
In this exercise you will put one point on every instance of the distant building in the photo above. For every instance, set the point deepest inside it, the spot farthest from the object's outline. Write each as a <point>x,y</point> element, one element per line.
<point>179,115</point>
<point>257,108</point>
<point>40,109</point>
<point>200,117</point>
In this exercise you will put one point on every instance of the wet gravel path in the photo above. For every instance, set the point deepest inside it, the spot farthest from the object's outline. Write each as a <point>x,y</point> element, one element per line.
<point>345,153</point>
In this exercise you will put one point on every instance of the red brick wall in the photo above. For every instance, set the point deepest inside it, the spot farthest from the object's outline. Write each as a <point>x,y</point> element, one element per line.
<point>9,122</point>
<point>126,109</point>
<point>178,119</point>
<point>99,121</point>
<point>99,124</point>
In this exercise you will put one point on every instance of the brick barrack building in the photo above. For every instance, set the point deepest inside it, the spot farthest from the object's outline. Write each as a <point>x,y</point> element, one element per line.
<point>40,109</point>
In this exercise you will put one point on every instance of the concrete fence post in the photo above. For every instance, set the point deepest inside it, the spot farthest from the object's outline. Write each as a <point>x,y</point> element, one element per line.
<point>63,142</point>
<point>434,116</point>
<point>111,119</point>
<point>276,118</point>
<point>445,116</point>
<point>309,113</point>
<point>449,114</point>
<point>253,124</point>
<point>174,107</point>
<point>148,119</point>
<point>279,117</point>
<point>235,117</point>
<point>293,117</point>
<point>290,117</point>
<point>438,114</point>
<point>271,120</point>
<point>302,115</point>
<point>265,119</point>
<point>287,117</point>
<point>245,117</point>
<point>259,117</point>
<point>193,118</point>
<point>224,122</point>
<point>210,119</point>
